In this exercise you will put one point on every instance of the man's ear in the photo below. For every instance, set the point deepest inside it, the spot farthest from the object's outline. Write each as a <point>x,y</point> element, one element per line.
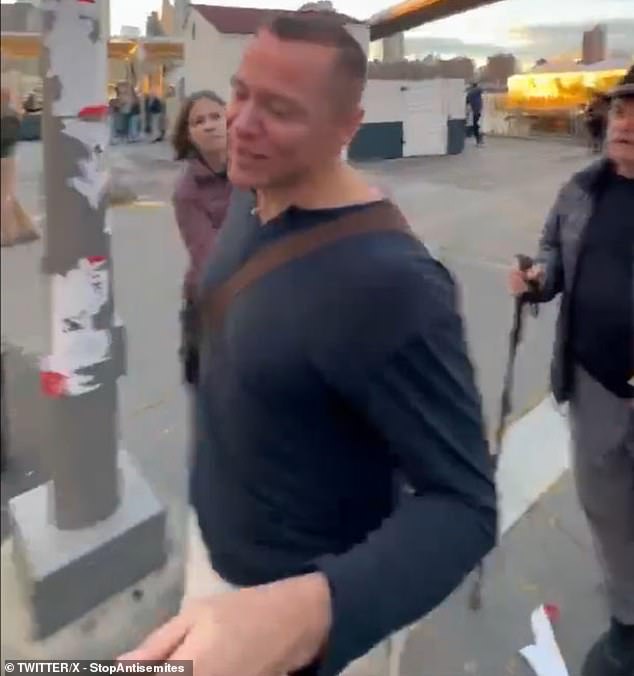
<point>354,121</point>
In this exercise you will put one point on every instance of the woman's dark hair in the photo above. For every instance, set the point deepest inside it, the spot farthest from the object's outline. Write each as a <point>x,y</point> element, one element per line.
<point>181,142</point>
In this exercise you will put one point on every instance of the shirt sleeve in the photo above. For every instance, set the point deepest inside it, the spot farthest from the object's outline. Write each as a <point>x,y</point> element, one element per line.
<point>550,255</point>
<point>424,402</point>
<point>195,229</point>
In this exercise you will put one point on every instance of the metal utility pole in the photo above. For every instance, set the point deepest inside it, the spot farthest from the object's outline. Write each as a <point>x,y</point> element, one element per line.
<point>86,359</point>
<point>94,488</point>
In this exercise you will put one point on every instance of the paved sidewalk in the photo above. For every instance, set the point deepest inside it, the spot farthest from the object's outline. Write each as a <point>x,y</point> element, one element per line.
<point>546,559</point>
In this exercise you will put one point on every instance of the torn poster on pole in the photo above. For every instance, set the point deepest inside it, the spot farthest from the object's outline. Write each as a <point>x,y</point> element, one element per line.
<point>72,61</point>
<point>77,299</point>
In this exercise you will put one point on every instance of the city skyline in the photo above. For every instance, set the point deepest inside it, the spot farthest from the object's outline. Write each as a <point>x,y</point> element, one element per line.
<point>530,29</point>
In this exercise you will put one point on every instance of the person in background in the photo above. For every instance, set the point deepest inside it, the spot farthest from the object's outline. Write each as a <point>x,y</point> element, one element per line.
<point>587,255</point>
<point>16,225</point>
<point>122,106</point>
<point>339,429</point>
<point>200,202</point>
<point>474,103</point>
<point>134,124</point>
<point>596,121</point>
<point>154,127</point>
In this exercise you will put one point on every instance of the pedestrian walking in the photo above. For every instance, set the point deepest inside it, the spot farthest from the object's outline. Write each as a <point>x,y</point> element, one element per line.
<point>153,109</point>
<point>474,109</point>
<point>200,203</point>
<point>587,255</point>
<point>596,122</point>
<point>342,484</point>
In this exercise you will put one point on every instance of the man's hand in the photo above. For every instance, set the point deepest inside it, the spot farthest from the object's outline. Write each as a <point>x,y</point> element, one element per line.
<point>519,280</point>
<point>269,630</point>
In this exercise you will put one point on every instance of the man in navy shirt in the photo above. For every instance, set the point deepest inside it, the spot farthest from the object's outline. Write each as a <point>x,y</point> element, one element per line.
<point>341,483</point>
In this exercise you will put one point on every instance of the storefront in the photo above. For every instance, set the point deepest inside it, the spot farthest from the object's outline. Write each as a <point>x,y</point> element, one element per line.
<point>551,99</point>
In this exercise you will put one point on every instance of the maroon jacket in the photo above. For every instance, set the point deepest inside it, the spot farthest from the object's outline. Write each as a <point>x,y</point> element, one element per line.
<point>200,202</point>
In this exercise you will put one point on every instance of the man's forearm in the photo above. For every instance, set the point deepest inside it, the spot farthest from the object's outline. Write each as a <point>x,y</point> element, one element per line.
<point>404,570</point>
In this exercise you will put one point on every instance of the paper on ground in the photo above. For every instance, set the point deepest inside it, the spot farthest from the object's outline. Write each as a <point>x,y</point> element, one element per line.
<point>544,656</point>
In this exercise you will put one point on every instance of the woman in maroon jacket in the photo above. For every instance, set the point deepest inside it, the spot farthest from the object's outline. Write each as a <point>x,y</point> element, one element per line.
<point>200,202</point>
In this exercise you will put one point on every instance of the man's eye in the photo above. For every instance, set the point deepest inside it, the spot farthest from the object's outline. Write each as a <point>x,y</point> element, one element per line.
<point>279,111</point>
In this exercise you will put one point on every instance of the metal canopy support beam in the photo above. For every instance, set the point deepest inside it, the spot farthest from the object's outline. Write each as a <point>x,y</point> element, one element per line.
<point>412,13</point>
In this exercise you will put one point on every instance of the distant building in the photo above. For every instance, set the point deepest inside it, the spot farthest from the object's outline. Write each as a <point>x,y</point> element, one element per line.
<point>460,68</point>
<point>181,8</point>
<point>499,69</point>
<point>430,68</point>
<point>168,17</point>
<point>394,48</point>
<point>153,26</point>
<point>21,17</point>
<point>25,16</point>
<point>319,6</point>
<point>130,32</point>
<point>594,45</point>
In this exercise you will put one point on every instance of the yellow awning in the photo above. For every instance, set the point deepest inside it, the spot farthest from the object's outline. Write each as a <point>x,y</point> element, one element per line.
<point>560,90</point>
<point>29,45</point>
<point>21,45</point>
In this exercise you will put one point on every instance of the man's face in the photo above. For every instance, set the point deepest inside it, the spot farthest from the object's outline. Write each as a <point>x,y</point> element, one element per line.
<point>282,120</point>
<point>621,131</point>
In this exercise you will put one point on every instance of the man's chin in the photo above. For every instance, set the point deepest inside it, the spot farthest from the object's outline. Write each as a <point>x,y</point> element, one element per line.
<point>621,151</point>
<point>244,180</point>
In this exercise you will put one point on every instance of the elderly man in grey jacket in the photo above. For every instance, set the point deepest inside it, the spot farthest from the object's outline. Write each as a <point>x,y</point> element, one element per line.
<point>587,255</point>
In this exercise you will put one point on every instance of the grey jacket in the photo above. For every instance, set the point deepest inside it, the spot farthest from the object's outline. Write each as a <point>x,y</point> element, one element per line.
<point>559,249</point>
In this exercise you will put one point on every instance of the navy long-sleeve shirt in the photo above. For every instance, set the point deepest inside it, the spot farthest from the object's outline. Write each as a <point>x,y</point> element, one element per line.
<point>337,381</point>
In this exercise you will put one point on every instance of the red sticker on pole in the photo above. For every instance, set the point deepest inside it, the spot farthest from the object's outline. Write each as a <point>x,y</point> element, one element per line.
<point>53,384</point>
<point>96,260</point>
<point>93,112</point>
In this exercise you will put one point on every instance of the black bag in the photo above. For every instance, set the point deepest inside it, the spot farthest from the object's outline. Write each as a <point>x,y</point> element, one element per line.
<point>10,133</point>
<point>190,341</point>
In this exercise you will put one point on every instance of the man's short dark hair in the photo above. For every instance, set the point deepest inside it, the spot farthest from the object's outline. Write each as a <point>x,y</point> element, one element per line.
<point>351,62</point>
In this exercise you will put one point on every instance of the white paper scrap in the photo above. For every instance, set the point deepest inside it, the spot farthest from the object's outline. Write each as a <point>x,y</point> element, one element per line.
<point>544,656</point>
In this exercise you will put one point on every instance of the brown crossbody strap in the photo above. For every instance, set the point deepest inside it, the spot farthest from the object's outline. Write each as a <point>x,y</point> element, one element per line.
<point>384,216</point>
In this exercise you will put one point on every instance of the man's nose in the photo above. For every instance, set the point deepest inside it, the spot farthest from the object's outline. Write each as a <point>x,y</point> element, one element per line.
<point>246,119</point>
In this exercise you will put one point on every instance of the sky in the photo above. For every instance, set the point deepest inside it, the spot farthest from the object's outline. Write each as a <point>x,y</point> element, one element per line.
<point>531,29</point>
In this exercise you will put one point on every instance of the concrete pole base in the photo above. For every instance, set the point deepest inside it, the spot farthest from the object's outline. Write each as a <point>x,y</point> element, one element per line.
<point>66,574</point>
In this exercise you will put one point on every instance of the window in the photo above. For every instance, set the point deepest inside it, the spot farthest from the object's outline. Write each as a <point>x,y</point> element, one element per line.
<point>193,30</point>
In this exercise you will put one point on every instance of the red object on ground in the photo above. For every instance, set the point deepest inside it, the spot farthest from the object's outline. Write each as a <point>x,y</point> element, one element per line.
<point>53,384</point>
<point>93,112</point>
<point>96,260</point>
<point>552,612</point>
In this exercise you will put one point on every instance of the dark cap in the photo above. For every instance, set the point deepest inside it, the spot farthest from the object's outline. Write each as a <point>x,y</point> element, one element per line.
<point>625,88</point>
